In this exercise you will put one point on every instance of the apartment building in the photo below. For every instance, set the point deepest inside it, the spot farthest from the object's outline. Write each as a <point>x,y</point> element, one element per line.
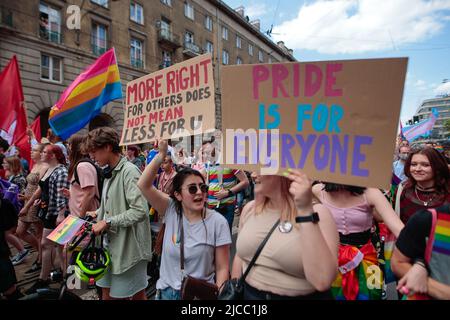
<point>147,35</point>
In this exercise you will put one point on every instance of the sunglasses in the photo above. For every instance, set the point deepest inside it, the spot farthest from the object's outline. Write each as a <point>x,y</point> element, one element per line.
<point>192,189</point>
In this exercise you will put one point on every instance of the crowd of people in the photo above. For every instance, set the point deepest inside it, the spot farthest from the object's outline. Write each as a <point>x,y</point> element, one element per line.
<point>321,240</point>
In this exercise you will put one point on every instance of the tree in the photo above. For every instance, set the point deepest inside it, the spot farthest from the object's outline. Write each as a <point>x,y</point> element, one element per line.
<point>447,125</point>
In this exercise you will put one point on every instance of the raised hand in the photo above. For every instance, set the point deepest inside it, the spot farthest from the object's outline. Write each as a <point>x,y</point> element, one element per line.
<point>300,190</point>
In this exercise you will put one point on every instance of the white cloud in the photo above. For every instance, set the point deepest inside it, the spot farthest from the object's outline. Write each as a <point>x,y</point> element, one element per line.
<point>355,26</point>
<point>256,10</point>
<point>420,83</point>
<point>443,88</point>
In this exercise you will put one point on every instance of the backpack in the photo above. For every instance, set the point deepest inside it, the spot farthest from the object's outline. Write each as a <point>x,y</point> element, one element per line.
<point>100,176</point>
<point>10,191</point>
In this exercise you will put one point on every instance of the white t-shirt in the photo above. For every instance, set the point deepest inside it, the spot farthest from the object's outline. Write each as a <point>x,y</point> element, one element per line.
<point>199,247</point>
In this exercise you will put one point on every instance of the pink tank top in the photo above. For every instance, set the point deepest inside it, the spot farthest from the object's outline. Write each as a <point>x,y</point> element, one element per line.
<point>353,219</point>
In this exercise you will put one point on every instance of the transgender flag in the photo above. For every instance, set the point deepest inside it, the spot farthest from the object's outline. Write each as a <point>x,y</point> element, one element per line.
<point>421,129</point>
<point>85,97</point>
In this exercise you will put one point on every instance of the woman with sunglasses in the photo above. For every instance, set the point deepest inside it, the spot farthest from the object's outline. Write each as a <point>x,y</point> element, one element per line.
<point>206,235</point>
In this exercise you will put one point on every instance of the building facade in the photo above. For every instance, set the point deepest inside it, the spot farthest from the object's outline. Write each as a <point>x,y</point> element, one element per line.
<point>147,35</point>
<point>442,104</point>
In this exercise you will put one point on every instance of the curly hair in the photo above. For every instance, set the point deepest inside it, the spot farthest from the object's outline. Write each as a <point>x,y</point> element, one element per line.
<point>103,137</point>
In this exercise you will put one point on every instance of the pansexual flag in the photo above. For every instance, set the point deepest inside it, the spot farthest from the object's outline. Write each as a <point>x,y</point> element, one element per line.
<point>85,97</point>
<point>66,230</point>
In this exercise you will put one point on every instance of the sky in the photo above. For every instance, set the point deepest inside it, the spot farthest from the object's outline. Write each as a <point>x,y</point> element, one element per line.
<point>361,29</point>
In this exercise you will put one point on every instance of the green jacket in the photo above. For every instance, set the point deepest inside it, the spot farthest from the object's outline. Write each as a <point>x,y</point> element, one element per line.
<point>129,237</point>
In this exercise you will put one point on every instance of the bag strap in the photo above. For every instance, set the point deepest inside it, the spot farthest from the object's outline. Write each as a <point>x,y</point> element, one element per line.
<point>182,246</point>
<point>397,198</point>
<point>258,252</point>
<point>430,241</point>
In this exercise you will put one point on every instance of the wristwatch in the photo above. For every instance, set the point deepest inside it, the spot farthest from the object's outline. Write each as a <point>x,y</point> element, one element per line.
<point>230,193</point>
<point>314,218</point>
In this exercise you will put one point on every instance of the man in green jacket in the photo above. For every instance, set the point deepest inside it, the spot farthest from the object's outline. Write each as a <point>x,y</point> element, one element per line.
<point>123,216</point>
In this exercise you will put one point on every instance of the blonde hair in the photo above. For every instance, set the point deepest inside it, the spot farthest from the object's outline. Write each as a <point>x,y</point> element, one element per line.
<point>288,209</point>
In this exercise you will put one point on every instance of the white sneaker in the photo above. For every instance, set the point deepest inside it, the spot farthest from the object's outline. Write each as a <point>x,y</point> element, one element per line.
<point>20,257</point>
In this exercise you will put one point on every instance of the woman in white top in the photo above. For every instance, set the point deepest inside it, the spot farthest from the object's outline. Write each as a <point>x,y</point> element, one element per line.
<point>206,236</point>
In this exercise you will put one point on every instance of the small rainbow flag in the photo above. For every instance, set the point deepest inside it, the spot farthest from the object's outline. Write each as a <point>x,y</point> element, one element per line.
<point>442,234</point>
<point>66,230</point>
<point>84,98</point>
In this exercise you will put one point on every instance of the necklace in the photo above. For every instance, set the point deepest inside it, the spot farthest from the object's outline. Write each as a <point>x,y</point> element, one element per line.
<point>425,203</point>
<point>285,226</point>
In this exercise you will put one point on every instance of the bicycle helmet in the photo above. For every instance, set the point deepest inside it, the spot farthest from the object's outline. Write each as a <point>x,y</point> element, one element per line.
<point>92,262</point>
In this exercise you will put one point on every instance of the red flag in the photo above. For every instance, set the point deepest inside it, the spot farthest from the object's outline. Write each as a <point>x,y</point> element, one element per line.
<point>13,120</point>
<point>36,127</point>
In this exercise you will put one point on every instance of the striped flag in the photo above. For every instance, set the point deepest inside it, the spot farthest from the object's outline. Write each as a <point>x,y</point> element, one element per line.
<point>85,97</point>
<point>66,230</point>
<point>421,129</point>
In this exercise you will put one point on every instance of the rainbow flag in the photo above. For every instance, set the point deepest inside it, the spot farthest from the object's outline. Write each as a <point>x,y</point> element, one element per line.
<point>442,234</point>
<point>84,98</point>
<point>66,230</point>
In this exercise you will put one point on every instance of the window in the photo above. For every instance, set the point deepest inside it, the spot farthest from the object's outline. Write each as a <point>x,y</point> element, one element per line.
<point>51,68</point>
<point>208,23</point>
<point>189,10</point>
<point>98,39</point>
<point>136,13</point>
<point>238,42</point>
<point>225,57</point>
<point>270,60</point>
<point>188,37</point>
<point>49,23</point>
<point>250,49</point>
<point>225,33</point>
<point>238,60</point>
<point>167,2</point>
<point>209,48</point>
<point>136,53</point>
<point>165,26</point>
<point>166,59</point>
<point>103,3</point>
<point>260,56</point>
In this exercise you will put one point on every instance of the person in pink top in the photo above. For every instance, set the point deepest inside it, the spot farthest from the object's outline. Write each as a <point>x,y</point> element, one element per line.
<point>354,209</point>
<point>83,193</point>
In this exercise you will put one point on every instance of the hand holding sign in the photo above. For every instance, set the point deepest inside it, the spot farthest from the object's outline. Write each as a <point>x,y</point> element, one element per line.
<point>163,146</point>
<point>301,191</point>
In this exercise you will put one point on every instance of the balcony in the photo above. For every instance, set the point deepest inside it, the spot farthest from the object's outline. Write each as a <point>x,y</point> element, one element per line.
<point>137,63</point>
<point>49,35</point>
<point>98,51</point>
<point>191,49</point>
<point>168,39</point>
<point>98,45</point>
<point>6,17</point>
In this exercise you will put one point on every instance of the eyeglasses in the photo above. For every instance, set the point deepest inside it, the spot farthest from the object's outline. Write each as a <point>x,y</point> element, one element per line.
<point>192,189</point>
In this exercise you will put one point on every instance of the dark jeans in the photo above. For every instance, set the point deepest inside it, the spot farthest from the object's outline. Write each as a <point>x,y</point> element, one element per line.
<point>251,293</point>
<point>228,212</point>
